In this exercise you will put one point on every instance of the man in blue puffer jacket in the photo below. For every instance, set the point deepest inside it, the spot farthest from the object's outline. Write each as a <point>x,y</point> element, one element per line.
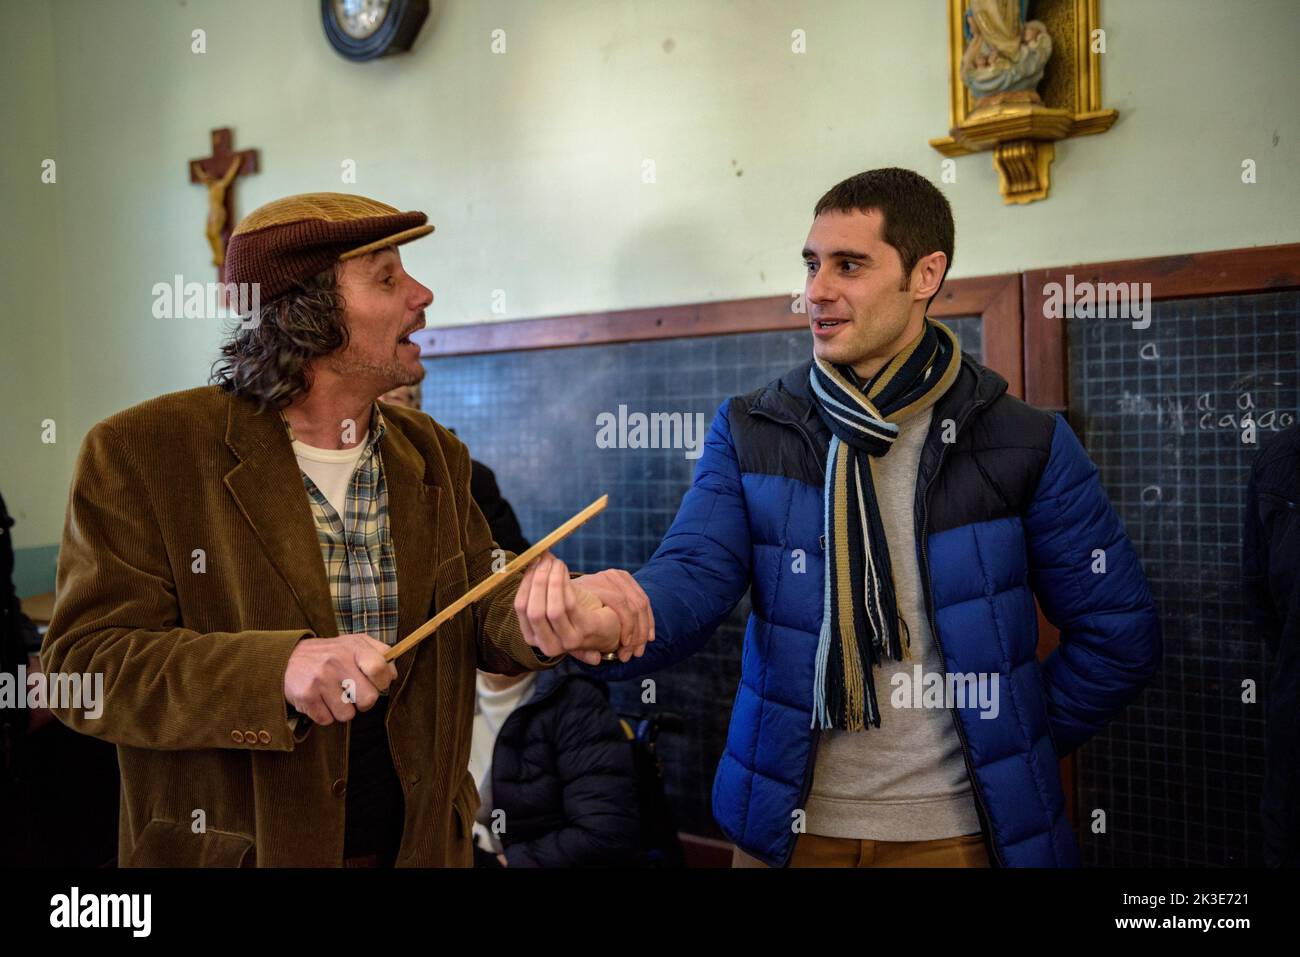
<point>895,513</point>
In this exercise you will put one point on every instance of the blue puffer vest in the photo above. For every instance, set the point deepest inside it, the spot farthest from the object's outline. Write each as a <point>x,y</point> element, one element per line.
<point>1008,507</point>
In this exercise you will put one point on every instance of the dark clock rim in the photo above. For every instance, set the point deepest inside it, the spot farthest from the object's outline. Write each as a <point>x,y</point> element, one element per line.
<point>395,34</point>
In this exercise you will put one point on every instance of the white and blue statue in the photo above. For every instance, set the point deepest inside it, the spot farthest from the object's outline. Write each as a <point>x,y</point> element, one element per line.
<point>1005,52</point>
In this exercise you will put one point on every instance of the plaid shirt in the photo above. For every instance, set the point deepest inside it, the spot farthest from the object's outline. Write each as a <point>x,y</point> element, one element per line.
<point>358,549</point>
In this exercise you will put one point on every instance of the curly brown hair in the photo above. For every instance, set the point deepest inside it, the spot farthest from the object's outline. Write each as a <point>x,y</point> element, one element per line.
<point>267,358</point>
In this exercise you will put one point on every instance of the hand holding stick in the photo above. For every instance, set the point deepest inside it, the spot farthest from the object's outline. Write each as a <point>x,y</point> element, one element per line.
<point>494,581</point>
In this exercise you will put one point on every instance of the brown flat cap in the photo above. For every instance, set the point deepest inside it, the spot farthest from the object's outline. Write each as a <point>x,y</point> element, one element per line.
<point>290,240</point>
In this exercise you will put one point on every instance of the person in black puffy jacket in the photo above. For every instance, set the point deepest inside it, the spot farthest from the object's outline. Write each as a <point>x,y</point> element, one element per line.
<point>555,773</point>
<point>17,640</point>
<point>1271,553</point>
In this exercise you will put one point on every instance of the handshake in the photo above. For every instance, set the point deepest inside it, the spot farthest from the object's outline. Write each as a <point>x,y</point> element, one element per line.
<point>593,618</point>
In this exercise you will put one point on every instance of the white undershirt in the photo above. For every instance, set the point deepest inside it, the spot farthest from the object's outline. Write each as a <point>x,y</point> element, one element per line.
<point>330,469</point>
<point>490,713</point>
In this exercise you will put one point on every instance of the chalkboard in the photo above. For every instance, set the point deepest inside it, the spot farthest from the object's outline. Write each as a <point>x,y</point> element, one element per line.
<point>1174,415</point>
<point>531,416</point>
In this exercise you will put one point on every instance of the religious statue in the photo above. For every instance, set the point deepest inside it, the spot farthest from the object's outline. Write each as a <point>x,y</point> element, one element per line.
<point>1006,53</point>
<point>217,205</point>
<point>998,59</point>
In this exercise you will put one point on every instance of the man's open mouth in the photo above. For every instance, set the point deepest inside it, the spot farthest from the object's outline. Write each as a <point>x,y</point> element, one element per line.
<point>828,323</point>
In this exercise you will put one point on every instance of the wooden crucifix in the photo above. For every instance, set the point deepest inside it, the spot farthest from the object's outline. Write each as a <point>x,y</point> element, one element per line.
<point>217,172</point>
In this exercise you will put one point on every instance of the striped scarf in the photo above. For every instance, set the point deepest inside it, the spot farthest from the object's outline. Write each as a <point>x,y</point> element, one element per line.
<point>860,619</point>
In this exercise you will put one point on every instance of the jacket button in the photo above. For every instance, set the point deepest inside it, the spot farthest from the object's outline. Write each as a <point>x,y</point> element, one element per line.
<point>237,737</point>
<point>264,737</point>
<point>340,788</point>
<point>250,737</point>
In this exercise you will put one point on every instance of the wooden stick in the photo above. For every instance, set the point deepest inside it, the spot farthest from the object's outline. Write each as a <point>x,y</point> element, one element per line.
<point>494,581</point>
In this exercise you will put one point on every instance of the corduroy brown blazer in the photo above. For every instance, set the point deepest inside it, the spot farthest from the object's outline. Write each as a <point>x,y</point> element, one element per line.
<point>193,645</point>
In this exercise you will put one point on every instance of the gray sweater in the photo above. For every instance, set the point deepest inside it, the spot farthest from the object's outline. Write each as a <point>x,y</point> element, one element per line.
<point>906,780</point>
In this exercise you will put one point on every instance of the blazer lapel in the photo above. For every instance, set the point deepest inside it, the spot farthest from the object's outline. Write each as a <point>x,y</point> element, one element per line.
<point>414,509</point>
<point>267,486</point>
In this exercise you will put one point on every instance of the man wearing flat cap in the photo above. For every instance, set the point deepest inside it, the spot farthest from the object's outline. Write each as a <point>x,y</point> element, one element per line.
<point>237,559</point>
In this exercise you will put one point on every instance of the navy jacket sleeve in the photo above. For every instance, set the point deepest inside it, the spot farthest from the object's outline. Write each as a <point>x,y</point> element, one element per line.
<point>701,568</point>
<point>1110,632</point>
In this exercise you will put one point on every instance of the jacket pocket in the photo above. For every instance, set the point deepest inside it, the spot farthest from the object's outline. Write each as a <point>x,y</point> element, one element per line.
<point>169,844</point>
<point>1045,705</point>
<point>450,581</point>
<point>465,804</point>
<point>464,808</point>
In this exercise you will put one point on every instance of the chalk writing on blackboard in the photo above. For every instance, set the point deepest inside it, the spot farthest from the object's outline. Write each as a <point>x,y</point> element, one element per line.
<point>1236,414</point>
<point>1208,413</point>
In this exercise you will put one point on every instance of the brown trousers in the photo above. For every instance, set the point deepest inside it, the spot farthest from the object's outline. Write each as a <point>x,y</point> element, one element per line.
<point>815,850</point>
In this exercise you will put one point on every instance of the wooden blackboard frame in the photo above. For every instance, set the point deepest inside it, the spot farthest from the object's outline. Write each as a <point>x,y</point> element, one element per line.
<point>995,299</point>
<point>1222,272</point>
<point>1029,350</point>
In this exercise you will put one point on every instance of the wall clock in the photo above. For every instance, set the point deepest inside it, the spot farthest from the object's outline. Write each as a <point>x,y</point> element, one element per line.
<point>366,29</point>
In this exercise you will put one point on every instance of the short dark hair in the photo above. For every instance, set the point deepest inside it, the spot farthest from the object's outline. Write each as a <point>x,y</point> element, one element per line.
<point>918,219</point>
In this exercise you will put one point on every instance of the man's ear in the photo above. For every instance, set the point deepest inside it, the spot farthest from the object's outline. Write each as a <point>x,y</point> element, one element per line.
<point>927,275</point>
